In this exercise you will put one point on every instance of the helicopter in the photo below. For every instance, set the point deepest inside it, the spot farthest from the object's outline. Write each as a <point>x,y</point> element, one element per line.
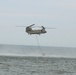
<point>29,29</point>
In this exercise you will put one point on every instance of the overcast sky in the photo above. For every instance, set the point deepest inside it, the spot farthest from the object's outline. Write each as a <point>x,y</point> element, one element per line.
<point>60,14</point>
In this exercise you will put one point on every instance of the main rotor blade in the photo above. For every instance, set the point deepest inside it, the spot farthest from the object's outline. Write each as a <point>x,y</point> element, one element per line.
<point>49,28</point>
<point>45,27</point>
<point>32,25</point>
<point>25,26</point>
<point>21,26</point>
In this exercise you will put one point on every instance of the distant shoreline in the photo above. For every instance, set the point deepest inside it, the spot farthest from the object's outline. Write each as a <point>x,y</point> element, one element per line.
<point>36,46</point>
<point>24,56</point>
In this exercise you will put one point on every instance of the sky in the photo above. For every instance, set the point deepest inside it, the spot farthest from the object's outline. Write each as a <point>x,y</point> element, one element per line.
<point>60,14</point>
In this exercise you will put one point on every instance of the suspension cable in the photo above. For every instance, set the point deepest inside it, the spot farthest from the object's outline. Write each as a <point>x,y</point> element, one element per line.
<point>38,42</point>
<point>42,53</point>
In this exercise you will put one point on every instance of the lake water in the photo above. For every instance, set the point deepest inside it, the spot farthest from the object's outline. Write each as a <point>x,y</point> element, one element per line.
<point>33,60</point>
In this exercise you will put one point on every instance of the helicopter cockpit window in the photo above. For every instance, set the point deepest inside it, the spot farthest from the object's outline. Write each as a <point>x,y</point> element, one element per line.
<point>28,29</point>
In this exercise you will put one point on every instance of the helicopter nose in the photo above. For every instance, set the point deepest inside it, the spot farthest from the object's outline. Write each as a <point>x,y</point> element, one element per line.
<point>45,31</point>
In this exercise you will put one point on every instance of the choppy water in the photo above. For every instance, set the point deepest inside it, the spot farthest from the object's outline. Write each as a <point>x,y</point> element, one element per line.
<point>37,66</point>
<point>30,60</point>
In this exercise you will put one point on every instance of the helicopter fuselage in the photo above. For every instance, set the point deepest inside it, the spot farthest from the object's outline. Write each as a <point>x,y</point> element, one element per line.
<point>30,31</point>
<point>36,32</point>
